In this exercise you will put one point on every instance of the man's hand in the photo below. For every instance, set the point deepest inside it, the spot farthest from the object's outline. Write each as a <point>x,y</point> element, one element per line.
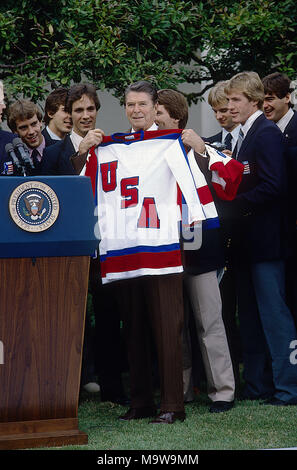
<point>193,140</point>
<point>93,137</point>
<point>227,152</point>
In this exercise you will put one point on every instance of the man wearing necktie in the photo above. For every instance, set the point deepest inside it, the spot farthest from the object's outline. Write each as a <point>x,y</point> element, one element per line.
<point>229,129</point>
<point>57,121</point>
<point>25,119</point>
<point>228,136</point>
<point>201,285</point>
<point>152,305</point>
<point>260,237</point>
<point>70,156</point>
<point>278,107</point>
<point>238,143</point>
<point>228,141</point>
<point>83,105</point>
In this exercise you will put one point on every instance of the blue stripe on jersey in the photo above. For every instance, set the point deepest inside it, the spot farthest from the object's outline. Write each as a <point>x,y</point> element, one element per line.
<point>172,136</point>
<point>142,249</point>
<point>184,205</point>
<point>211,223</point>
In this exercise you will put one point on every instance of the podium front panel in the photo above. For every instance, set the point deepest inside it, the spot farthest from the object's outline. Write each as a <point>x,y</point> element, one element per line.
<point>47,216</point>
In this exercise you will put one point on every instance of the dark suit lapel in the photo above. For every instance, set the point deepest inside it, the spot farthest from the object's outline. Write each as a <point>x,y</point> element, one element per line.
<point>67,145</point>
<point>48,140</point>
<point>250,135</point>
<point>291,126</point>
<point>213,138</point>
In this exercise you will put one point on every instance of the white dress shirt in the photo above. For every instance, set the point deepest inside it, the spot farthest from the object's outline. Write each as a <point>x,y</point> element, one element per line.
<point>234,134</point>
<point>52,134</point>
<point>250,121</point>
<point>153,127</point>
<point>284,121</point>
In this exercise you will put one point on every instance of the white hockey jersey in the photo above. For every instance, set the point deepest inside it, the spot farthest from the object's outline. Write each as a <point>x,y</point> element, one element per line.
<point>137,186</point>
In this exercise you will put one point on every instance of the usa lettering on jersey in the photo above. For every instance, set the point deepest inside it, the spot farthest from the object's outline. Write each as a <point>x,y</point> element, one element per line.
<point>138,182</point>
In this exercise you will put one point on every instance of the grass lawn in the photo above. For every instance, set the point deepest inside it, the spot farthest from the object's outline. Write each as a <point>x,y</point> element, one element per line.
<point>248,426</point>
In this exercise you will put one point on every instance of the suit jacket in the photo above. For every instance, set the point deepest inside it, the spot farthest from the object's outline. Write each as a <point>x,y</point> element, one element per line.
<point>48,139</point>
<point>259,209</point>
<point>211,255</point>
<point>290,135</point>
<point>213,138</point>
<point>38,166</point>
<point>55,160</point>
<point>290,132</point>
<point>5,138</point>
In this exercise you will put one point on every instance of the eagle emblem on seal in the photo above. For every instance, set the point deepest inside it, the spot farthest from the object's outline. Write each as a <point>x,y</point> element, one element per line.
<point>34,203</point>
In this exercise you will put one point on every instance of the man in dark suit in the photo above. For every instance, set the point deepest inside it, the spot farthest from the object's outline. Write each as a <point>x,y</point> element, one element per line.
<point>152,305</point>
<point>6,166</point>
<point>200,280</point>
<point>228,136</point>
<point>83,105</point>
<point>25,119</point>
<point>103,353</point>
<point>266,324</point>
<point>57,121</point>
<point>279,109</point>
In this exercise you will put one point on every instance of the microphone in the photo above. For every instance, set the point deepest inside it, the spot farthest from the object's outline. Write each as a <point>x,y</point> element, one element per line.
<point>23,151</point>
<point>10,151</point>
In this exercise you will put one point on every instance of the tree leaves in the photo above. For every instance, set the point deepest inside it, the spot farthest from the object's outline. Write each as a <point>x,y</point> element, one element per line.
<point>114,42</point>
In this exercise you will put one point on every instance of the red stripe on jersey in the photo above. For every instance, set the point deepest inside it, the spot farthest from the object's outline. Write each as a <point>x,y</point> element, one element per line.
<point>91,169</point>
<point>132,262</point>
<point>205,195</point>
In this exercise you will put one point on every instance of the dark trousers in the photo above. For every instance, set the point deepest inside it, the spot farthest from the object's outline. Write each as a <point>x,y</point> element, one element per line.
<point>153,307</point>
<point>108,344</point>
<point>291,285</point>
<point>267,331</point>
<point>229,308</point>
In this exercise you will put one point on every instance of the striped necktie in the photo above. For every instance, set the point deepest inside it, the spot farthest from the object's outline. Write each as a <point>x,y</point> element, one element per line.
<point>239,142</point>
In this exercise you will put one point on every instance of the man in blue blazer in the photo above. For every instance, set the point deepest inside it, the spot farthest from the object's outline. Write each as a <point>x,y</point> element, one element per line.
<point>83,105</point>
<point>279,109</point>
<point>57,121</point>
<point>260,230</point>
<point>228,136</point>
<point>229,130</point>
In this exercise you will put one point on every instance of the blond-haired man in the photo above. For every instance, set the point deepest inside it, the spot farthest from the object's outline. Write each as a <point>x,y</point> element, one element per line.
<point>258,213</point>
<point>229,130</point>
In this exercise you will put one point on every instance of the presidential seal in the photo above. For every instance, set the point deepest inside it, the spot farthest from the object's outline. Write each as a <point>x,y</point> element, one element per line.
<point>34,206</point>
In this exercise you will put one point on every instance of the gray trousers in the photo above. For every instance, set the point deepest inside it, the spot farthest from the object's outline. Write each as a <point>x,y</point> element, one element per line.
<point>205,299</point>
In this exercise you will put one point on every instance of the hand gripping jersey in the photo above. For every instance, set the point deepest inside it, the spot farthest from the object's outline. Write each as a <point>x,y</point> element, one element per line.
<point>138,182</point>
<point>226,173</point>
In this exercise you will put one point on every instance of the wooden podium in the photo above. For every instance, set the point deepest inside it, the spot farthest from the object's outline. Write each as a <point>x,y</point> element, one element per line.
<point>47,239</point>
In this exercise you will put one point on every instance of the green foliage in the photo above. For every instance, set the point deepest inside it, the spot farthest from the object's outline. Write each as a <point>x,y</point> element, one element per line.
<point>113,43</point>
